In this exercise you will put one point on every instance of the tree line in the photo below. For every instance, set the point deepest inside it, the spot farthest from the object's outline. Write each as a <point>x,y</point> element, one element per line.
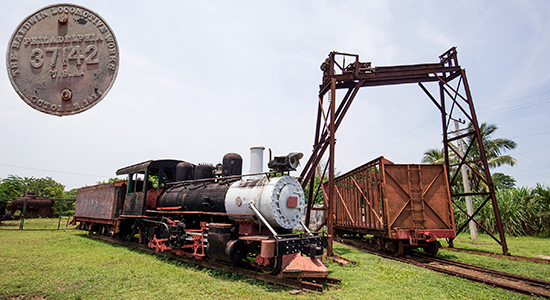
<point>15,186</point>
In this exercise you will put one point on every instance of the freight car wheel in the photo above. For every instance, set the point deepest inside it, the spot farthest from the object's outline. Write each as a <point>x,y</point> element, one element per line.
<point>398,248</point>
<point>378,243</point>
<point>432,248</point>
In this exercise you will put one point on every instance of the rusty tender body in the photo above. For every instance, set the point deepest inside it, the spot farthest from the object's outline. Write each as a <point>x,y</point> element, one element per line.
<point>402,206</point>
<point>207,212</point>
<point>101,204</point>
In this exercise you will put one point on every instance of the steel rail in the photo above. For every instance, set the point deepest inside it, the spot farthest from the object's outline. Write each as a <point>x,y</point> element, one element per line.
<point>507,281</point>
<point>496,255</point>
<point>531,281</point>
<point>314,287</point>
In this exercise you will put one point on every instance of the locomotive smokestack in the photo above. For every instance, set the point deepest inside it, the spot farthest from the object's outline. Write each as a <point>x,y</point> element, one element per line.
<point>256,159</point>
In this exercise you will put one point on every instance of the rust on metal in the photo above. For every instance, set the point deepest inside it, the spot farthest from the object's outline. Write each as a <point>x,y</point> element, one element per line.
<point>268,248</point>
<point>99,201</point>
<point>454,98</point>
<point>296,265</point>
<point>62,59</point>
<point>395,201</point>
<point>36,206</point>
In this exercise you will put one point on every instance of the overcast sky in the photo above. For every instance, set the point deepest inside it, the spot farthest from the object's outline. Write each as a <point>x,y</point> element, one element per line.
<point>199,79</point>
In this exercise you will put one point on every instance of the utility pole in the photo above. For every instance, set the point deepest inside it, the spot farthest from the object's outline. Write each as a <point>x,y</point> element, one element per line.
<point>466,184</point>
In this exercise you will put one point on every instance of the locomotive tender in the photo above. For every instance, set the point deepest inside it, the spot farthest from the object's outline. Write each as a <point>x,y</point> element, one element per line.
<point>210,212</point>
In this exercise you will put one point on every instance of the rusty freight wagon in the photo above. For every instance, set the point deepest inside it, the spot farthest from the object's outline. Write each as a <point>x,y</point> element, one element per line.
<point>402,206</point>
<point>98,207</point>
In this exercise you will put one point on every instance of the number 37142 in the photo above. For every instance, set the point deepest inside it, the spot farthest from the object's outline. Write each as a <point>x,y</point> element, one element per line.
<point>89,56</point>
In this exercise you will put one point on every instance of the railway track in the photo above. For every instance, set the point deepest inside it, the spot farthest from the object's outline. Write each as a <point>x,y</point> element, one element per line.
<point>316,286</point>
<point>512,282</point>
<point>496,255</point>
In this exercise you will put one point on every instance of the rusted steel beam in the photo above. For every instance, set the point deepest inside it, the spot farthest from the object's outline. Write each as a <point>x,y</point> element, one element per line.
<point>430,96</point>
<point>320,147</point>
<point>337,74</point>
<point>485,166</point>
<point>471,218</point>
<point>332,128</point>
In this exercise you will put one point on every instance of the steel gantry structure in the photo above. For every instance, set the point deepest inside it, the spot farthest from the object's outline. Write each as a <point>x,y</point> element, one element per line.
<point>454,99</point>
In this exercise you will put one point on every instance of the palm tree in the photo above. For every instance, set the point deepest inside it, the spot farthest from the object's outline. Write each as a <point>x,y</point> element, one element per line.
<point>434,157</point>
<point>493,152</point>
<point>493,147</point>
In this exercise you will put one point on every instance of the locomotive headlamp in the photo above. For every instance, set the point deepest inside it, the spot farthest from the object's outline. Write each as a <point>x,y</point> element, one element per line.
<point>285,163</point>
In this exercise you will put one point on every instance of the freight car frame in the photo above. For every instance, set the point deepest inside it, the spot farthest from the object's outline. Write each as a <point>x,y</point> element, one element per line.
<point>402,206</point>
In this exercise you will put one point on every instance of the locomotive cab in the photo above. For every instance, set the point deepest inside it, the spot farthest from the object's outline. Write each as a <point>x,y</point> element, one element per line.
<point>145,184</point>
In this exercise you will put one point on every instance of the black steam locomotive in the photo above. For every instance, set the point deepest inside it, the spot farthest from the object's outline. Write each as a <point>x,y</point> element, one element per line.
<point>209,212</point>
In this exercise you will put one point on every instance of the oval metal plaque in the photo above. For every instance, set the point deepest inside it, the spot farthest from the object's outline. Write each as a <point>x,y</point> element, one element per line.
<point>62,59</point>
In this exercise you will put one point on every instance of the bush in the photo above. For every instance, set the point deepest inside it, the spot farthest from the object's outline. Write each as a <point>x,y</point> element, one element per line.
<point>523,211</point>
<point>68,207</point>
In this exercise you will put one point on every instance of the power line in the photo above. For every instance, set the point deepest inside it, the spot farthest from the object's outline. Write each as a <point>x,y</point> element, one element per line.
<point>538,162</point>
<point>53,171</point>
<point>390,143</point>
<point>532,134</point>
<point>517,99</point>
<point>544,101</point>
<point>353,154</point>
<point>517,170</point>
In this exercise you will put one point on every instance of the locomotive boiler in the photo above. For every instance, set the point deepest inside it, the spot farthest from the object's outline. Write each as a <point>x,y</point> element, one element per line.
<point>210,212</point>
<point>35,207</point>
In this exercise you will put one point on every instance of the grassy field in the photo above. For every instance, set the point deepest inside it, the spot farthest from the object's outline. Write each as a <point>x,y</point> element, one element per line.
<point>69,265</point>
<point>520,246</point>
<point>38,224</point>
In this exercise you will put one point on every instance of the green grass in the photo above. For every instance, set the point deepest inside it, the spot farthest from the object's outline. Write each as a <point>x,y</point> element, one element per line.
<point>521,246</point>
<point>38,223</point>
<point>69,265</point>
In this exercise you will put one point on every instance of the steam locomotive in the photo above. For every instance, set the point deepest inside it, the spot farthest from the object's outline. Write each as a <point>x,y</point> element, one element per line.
<point>35,207</point>
<point>210,212</point>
